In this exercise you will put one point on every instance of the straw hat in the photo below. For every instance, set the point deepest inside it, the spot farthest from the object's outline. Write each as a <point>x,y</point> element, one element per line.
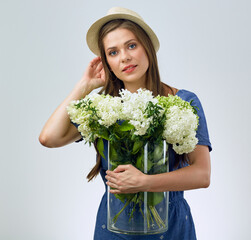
<point>117,13</point>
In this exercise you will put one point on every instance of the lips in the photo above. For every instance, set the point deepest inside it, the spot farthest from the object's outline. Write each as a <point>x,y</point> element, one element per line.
<point>129,67</point>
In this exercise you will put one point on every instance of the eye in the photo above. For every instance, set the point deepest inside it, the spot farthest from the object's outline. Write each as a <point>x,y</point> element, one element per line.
<point>132,46</point>
<point>112,53</point>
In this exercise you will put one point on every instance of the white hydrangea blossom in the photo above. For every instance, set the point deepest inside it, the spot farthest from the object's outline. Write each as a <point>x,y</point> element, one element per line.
<point>134,105</point>
<point>179,129</point>
<point>80,117</point>
<point>85,131</point>
<point>95,98</point>
<point>109,110</point>
<point>187,145</point>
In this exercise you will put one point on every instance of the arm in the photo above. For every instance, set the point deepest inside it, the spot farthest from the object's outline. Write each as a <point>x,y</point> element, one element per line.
<point>127,179</point>
<point>58,130</point>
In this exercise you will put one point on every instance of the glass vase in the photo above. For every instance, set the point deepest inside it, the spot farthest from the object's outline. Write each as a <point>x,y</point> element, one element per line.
<point>143,212</point>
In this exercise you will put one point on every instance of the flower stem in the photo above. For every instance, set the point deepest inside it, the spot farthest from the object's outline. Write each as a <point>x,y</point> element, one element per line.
<point>134,206</point>
<point>122,209</point>
<point>156,216</point>
<point>147,219</point>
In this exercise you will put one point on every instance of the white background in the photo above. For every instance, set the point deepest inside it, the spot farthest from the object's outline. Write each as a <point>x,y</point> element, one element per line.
<point>205,48</point>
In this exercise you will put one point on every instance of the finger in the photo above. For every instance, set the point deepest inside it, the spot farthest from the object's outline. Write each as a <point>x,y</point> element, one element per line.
<point>95,61</point>
<point>102,71</point>
<point>121,168</point>
<point>112,185</point>
<point>99,67</point>
<point>111,174</point>
<point>115,191</point>
<point>102,74</point>
<point>110,179</point>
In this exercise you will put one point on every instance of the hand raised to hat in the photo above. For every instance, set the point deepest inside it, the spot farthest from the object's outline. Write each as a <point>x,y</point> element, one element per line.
<point>94,75</point>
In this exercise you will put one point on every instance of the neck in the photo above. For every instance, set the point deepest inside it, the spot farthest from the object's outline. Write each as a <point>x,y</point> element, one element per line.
<point>134,87</point>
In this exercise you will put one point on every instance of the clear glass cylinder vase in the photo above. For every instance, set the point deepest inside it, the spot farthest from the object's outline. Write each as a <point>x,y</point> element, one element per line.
<point>143,212</point>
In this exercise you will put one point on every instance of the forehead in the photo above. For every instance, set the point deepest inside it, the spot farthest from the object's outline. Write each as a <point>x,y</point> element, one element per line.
<point>118,37</point>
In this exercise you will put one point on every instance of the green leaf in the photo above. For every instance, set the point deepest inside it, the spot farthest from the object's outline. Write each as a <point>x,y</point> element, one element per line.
<point>100,147</point>
<point>139,162</point>
<point>136,146</point>
<point>104,134</point>
<point>158,153</point>
<point>123,197</point>
<point>126,126</point>
<point>154,198</point>
<point>113,153</point>
<point>149,165</point>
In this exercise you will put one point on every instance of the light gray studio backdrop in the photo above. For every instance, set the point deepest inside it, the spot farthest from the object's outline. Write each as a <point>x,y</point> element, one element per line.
<point>205,48</point>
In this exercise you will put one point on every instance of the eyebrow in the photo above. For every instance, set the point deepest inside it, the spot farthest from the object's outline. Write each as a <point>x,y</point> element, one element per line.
<point>124,43</point>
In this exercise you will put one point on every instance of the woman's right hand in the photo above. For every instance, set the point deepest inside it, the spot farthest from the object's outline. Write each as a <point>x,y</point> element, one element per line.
<point>94,75</point>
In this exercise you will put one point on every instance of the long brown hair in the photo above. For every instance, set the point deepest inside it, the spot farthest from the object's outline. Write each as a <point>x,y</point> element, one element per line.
<point>113,84</point>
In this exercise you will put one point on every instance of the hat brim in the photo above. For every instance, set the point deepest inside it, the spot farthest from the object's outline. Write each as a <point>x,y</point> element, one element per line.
<point>93,32</point>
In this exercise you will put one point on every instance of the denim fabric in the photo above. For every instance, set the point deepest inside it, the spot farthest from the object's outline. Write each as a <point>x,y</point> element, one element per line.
<point>180,221</point>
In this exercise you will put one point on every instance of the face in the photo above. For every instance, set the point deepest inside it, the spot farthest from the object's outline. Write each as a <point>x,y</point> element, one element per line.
<point>127,58</point>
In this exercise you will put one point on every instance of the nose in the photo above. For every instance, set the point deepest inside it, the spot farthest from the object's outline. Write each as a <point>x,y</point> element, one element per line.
<point>125,56</point>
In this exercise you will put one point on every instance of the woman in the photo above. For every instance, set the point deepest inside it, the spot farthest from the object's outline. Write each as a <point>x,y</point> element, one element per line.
<point>126,47</point>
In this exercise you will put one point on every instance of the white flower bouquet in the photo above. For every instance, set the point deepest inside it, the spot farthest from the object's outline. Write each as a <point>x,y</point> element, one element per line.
<point>142,114</point>
<point>130,122</point>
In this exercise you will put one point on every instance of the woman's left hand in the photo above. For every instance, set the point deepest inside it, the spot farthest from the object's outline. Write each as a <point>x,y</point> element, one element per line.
<point>126,179</point>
